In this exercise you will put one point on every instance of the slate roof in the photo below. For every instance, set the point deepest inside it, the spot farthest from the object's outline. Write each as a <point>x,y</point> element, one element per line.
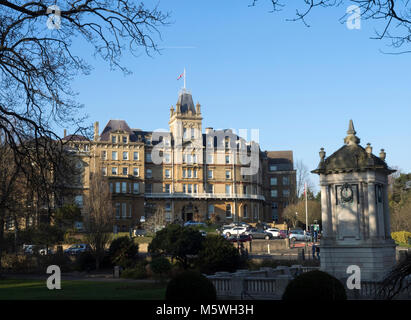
<point>352,157</point>
<point>185,100</point>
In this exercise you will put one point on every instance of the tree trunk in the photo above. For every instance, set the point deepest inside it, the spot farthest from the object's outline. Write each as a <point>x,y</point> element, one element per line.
<point>1,240</point>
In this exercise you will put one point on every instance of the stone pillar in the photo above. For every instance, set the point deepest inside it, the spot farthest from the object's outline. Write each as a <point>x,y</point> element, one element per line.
<point>372,211</point>
<point>333,209</point>
<point>325,211</point>
<point>387,222</point>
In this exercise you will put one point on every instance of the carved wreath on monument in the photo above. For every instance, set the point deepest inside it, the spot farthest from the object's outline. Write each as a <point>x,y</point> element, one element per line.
<point>346,193</point>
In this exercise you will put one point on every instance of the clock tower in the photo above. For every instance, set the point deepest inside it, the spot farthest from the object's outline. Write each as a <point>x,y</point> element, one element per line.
<point>355,212</point>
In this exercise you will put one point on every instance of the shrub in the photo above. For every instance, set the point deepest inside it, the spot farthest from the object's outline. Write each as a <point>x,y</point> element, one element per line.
<point>61,260</point>
<point>160,266</point>
<point>85,261</point>
<point>191,286</point>
<point>401,236</point>
<point>123,252</point>
<point>19,263</point>
<point>217,254</point>
<point>315,285</point>
<point>138,272</point>
<point>179,242</point>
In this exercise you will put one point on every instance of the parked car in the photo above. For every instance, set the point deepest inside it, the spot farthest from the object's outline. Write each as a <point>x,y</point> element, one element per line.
<point>45,251</point>
<point>255,233</point>
<point>274,231</point>
<point>193,223</point>
<point>31,249</point>
<point>234,231</point>
<point>283,234</point>
<point>77,249</point>
<point>139,232</point>
<point>241,238</point>
<point>298,235</point>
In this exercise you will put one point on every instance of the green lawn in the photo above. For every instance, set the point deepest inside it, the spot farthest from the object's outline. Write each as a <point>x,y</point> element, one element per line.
<point>80,290</point>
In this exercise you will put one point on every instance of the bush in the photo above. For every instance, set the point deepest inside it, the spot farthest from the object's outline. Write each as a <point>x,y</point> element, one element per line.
<point>217,254</point>
<point>401,236</point>
<point>61,260</point>
<point>19,263</point>
<point>160,266</point>
<point>85,261</point>
<point>138,272</point>
<point>190,286</point>
<point>179,242</point>
<point>315,285</point>
<point>123,252</point>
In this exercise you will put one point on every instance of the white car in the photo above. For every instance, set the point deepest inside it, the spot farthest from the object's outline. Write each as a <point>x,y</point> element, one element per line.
<point>274,231</point>
<point>235,231</point>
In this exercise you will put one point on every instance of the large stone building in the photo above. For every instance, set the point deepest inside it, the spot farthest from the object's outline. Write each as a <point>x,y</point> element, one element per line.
<point>185,173</point>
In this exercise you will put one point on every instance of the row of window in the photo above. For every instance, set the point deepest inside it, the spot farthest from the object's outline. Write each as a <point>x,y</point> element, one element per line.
<point>122,211</point>
<point>119,138</point>
<point>274,193</point>
<point>187,173</point>
<point>124,187</point>
<point>114,155</point>
<point>285,180</point>
<point>124,171</point>
<point>193,188</point>
<point>187,158</point>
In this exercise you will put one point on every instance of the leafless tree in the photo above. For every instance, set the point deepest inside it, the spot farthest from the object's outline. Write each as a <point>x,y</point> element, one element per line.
<point>99,217</point>
<point>303,176</point>
<point>155,221</point>
<point>392,17</point>
<point>38,63</point>
<point>397,281</point>
<point>314,212</point>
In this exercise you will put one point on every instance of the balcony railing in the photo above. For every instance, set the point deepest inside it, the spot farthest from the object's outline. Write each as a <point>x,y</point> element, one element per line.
<point>205,195</point>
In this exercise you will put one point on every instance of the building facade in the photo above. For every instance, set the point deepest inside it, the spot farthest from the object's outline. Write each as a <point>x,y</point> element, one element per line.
<point>185,173</point>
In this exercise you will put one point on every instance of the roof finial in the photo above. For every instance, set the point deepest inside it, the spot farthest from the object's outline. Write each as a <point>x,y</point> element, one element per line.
<point>351,129</point>
<point>351,138</point>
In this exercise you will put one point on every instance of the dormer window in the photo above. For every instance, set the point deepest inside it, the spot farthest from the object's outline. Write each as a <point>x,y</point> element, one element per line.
<point>125,139</point>
<point>113,139</point>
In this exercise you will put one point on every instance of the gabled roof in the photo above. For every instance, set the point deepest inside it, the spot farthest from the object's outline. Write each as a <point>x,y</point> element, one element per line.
<point>352,157</point>
<point>113,126</point>
<point>75,137</point>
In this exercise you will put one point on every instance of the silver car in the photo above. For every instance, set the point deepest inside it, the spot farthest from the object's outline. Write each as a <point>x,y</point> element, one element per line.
<point>298,235</point>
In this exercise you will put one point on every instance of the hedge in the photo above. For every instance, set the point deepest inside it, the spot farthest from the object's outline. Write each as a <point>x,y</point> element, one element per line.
<point>401,236</point>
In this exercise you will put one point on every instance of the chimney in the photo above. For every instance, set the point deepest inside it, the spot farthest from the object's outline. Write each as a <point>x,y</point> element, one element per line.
<point>198,107</point>
<point>65,133</point>
<point>209,130</point>
<point>96,131</point>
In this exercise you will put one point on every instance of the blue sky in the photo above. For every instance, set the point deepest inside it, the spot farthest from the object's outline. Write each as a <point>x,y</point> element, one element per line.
<point>249,68</point>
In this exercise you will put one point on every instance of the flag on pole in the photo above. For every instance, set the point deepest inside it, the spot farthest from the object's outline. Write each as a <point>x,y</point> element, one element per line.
<point>180,76</point>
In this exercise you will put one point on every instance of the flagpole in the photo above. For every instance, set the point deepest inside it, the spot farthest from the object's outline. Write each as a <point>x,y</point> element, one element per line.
<point>184,78</point>
<point>306,208</point>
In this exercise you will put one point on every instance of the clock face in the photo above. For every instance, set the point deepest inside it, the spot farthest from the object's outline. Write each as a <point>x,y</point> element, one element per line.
<point>346,193</point>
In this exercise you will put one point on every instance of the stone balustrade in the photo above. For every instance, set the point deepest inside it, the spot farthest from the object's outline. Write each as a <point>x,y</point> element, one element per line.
<point>265,283</point>
<point>269,283</point>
